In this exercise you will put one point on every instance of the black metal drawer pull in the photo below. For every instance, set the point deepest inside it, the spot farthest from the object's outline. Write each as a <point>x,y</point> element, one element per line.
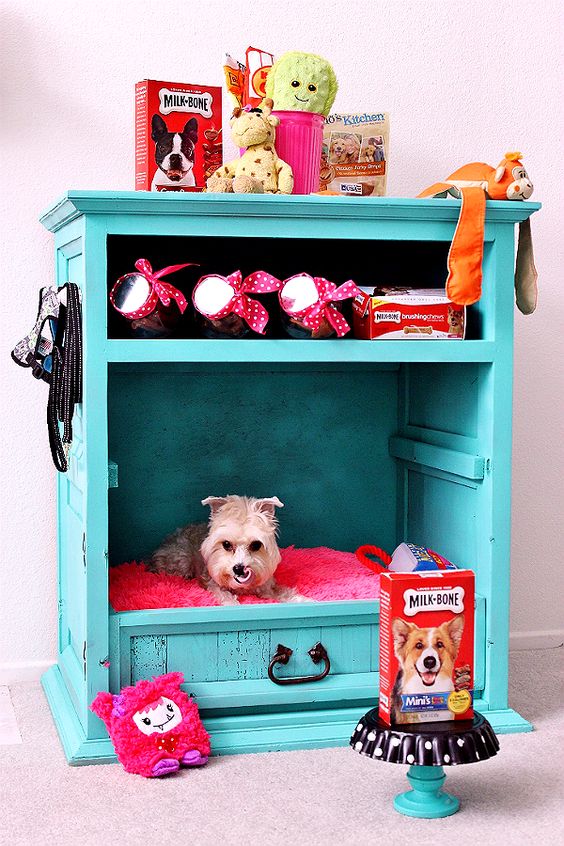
<point>283,654</point>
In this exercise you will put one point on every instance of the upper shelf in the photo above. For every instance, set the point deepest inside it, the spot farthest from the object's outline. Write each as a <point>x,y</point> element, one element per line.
<point>293,351</point>
<point>76,203</point>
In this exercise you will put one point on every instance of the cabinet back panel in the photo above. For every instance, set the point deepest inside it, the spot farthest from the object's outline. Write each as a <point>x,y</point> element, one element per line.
<point>316,439</point>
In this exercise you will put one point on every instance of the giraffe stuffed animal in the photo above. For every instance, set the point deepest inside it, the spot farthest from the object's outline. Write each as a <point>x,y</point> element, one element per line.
<point>259,170</point>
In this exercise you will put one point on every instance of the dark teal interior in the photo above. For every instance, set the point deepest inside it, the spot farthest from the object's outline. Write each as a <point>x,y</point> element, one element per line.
<point>317,439</point>
<point>316,436</point>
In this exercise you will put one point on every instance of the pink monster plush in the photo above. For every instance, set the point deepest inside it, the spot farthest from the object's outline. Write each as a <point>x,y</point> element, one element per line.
<point>155,727</point>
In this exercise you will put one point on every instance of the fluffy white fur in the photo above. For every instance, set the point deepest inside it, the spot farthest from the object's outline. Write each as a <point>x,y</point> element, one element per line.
<point>236,553</point>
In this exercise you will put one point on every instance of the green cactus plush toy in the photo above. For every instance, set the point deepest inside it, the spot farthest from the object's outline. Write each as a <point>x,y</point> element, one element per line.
<point>302,82</point>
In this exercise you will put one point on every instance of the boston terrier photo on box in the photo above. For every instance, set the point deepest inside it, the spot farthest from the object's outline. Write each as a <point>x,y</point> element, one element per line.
<point>174,154</point>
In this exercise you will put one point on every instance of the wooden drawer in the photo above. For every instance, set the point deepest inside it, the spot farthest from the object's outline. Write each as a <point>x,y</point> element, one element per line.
<point>225,653</point>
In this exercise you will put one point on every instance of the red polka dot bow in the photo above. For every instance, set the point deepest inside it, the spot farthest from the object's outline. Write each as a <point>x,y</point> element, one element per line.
<point>163,291</point>
<point>328,293</point>
<point>253,312</point>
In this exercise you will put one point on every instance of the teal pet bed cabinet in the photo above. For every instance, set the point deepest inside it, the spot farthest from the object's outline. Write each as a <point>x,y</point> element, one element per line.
<point>364,441</point>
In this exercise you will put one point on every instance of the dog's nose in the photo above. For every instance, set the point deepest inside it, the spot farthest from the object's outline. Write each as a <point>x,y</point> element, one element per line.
<point>429,662</point>
<point>239,569</point>
<point>175,161</point>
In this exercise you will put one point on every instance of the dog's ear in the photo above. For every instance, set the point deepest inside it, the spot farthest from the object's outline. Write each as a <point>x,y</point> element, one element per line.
<point>455,628</point>
<point>158,127</point>
<point>215,503</point>
<point>400,632</point>
<point>268,504</point>
<point>191,130</point>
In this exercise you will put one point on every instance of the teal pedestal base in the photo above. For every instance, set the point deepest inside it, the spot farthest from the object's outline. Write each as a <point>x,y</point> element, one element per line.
<point>426,799</point>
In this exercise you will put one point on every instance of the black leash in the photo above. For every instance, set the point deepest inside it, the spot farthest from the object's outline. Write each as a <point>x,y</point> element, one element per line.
<point>65,387</point>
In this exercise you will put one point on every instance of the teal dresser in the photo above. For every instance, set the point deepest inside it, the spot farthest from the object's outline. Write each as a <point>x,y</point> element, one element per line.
<point>365,442</point>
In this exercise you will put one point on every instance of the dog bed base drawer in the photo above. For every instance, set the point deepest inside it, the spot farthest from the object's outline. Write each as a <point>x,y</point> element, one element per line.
<point>225,653</point>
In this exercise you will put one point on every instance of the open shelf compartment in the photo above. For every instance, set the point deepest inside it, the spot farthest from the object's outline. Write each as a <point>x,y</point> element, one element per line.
<point>375,453</point>
<point>415,264</point>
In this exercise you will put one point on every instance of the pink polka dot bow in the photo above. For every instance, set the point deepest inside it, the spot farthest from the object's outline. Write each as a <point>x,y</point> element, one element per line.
<point>253,312</point>
<point>312,315</point>
<point>158,290</point>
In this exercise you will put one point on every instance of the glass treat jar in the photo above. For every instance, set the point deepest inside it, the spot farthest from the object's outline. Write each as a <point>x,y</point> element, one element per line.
<point>310,306</point>
<point>211,298</point>
<point>152,307</point>
<point>224,308</point>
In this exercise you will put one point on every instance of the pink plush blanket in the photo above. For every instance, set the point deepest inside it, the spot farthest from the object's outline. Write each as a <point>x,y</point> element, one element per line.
<point>321,574</point>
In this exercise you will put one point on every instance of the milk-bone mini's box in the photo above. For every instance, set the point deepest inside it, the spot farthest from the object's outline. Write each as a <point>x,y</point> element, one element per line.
<point>426,646</point>
<point>178,140</point>
<point>407,314</point>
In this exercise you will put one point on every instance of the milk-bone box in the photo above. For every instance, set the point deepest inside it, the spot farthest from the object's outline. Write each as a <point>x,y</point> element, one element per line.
<point>426,646</point>
<point>178,140</point>
<point>417,314</point>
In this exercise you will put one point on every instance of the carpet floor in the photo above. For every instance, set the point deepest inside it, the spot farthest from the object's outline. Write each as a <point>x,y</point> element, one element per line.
<point>326,796</point>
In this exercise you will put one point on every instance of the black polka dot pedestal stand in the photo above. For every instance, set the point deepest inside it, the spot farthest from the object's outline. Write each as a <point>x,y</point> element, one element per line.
<point>426,748</point>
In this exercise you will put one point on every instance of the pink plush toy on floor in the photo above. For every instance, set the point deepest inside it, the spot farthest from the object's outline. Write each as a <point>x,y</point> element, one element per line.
<point>155,727</point>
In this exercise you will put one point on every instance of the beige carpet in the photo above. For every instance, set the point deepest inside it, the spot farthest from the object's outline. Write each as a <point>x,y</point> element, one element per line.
<point>330,796</point>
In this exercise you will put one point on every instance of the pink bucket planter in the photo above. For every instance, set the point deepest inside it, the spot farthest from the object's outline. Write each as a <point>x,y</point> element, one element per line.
<point>299,138</point>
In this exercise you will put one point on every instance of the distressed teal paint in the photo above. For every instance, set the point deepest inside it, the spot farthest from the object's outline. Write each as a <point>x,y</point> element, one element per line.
<point>148,657</point>
<point>418,442</point>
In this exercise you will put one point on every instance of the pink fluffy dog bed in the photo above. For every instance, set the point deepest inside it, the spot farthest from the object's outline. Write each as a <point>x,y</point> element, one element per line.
<point>321,574</point>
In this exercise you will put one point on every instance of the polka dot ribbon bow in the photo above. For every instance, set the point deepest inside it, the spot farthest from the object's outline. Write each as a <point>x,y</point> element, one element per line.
<point>328,293</point>
<point>253,312</point>
<point>163,291</point>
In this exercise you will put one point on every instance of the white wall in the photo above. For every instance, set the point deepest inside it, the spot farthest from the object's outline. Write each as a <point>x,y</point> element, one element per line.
<point>463,82</point>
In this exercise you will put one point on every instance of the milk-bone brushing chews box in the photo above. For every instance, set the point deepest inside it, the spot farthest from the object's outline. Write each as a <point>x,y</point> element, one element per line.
<point>426,646</point>
<point>413,314</point>
<point>178,140</point>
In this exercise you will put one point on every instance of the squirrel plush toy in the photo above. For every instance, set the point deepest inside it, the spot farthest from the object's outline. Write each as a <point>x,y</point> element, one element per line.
<point>259,170</point>
<point>474,183</point>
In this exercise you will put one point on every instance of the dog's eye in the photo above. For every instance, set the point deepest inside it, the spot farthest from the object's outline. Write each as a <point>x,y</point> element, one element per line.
<point>440,644</point>
<point>226,545</point>
<point>147,721</point>
<point>311,87</point>
<point>170,708</point>
<point>255,546</point>
<point>295,83</point>
<point>419,645</point>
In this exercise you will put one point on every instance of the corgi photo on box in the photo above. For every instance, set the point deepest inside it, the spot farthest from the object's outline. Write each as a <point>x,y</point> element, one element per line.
<point>426,646</point>
<point>426,659</point>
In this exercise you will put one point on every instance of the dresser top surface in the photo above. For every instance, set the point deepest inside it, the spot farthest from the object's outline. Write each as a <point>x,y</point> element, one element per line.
<point>76,203</point>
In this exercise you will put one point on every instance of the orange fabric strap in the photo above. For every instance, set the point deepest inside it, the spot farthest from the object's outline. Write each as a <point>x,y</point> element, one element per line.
<point>464,282</point>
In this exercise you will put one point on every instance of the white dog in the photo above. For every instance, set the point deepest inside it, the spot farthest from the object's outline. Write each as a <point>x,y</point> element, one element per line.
<point>235,554</point>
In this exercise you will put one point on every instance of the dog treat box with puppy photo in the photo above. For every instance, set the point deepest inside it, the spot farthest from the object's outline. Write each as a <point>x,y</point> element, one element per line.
<point>426,646</point>
<point>178,141</point>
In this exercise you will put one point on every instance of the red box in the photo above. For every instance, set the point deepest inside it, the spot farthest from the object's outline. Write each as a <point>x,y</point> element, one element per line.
<point>178,140</point>
<point>426,646</point>
<point>407,314</point>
